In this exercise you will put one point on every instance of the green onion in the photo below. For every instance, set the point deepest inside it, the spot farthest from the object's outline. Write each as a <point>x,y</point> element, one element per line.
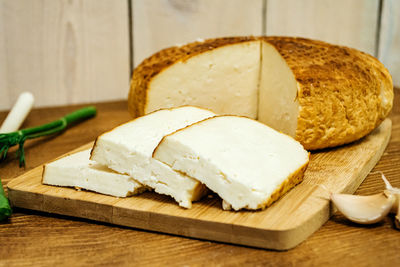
<point>5,209</point>
<point>8,140</point>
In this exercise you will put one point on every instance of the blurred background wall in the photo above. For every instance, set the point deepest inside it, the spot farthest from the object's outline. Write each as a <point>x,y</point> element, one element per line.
<point>79,51</point>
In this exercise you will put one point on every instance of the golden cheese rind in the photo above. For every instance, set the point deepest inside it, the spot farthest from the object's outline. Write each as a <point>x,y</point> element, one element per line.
<point>293,180</point>
<point>340,91</point>
<point>343,93</point>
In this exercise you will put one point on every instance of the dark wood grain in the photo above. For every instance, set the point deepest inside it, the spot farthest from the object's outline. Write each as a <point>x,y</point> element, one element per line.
<point>38,239</point>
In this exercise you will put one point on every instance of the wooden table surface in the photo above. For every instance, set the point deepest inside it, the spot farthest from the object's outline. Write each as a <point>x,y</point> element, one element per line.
<point>35,238</point>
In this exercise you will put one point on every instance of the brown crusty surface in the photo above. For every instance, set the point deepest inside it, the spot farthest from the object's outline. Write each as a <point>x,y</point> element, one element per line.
<point>340,89</point>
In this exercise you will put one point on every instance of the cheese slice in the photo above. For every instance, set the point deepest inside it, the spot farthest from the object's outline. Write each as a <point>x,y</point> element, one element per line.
<point>128,149</point>
<point>76,170</point>
<point>248,164</point>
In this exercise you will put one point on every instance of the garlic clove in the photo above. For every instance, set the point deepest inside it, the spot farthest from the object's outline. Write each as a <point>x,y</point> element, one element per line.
<point>396,205</point>
<point>364,209</point>
<point>396,209</point>
<point>397,218</point>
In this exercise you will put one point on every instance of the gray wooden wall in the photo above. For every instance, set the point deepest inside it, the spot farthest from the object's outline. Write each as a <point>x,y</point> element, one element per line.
<point>80,51</point>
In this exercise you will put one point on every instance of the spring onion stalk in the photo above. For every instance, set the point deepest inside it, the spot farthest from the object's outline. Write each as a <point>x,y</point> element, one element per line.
<point>8,140</point>
<point>18,113</point>
<point>5,209</point>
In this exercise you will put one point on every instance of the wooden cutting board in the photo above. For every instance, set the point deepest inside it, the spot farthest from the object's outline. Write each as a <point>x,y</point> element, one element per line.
<point>282,226</point>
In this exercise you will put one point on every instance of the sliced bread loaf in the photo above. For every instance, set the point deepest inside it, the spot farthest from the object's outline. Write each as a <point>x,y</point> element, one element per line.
<point>248,164</point>
<point>128,149</point>
<point>76,170</point>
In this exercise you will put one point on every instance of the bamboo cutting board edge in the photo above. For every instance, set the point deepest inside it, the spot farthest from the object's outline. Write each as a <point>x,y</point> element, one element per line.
<point>24,192</point>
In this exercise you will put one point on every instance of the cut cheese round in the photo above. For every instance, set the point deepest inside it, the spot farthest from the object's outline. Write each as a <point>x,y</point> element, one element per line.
<point>323,95</point>
<point>248,164</point>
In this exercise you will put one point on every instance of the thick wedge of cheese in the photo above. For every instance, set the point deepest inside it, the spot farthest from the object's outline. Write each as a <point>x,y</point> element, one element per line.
<point>248,164</point>
<point>321,94</point>
<point>128,149</point>
<point>76,170</point>
<point>222,79</point>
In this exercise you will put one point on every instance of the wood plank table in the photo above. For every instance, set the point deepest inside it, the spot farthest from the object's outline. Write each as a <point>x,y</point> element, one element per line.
<point>35,238</point>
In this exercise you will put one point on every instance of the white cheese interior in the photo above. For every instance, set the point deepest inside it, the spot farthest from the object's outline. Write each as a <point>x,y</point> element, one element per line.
<point>278,104</point>
<point>224,80</point>
<point>247,79</point>
<point>77,170</point>
<point>242,160</point>
<point>128,149</point>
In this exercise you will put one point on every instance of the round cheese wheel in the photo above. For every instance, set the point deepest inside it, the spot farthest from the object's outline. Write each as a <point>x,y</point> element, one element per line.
<point>321,94</point>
